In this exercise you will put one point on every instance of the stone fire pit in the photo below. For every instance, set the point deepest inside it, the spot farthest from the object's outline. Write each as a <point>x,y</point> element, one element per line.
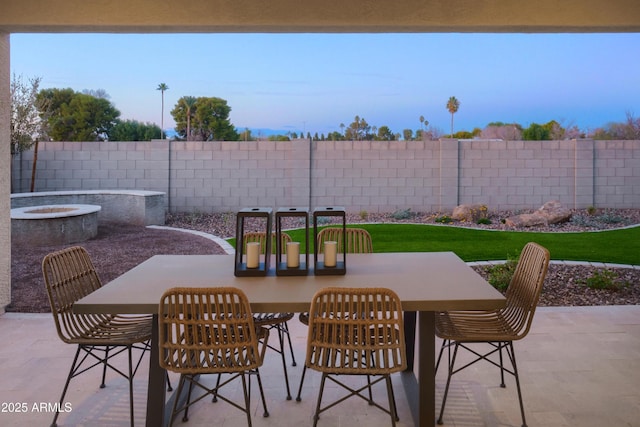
<point>54,224</point>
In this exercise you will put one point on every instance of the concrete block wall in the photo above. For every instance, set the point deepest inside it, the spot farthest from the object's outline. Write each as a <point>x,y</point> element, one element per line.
<point>517,174</point>
<point>372,176</point>
<point>223,176</point>
<point>65,166</point>
<point>617,173</point>
<point>376,176</point>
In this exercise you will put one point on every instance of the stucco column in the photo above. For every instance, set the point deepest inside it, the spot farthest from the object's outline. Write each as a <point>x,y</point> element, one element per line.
<point>5,174</point>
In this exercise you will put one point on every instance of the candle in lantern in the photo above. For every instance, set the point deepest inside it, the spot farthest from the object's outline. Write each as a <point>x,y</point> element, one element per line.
<point>293,254</point>
<point>330,253</point>
<point>253,254</point>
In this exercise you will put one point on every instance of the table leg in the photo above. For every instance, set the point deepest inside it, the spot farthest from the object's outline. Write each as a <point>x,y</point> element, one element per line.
<point>426,368</point>
<point>410,337</point>
<point>157,382</point>
<point>421,390</point>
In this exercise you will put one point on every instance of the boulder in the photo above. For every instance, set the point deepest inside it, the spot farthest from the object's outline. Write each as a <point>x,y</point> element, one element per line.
<point>554,212</point>
<point>550,213</point>
<point>469,213</point>
<point>525,220</point>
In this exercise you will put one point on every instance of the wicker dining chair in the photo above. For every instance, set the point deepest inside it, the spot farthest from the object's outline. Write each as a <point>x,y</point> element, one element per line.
<point>356,331</point>
<point>277,321</point>
<point>210,331</point>
<point>498,328</point>
<point>358,242</point>
<point>69,275</point>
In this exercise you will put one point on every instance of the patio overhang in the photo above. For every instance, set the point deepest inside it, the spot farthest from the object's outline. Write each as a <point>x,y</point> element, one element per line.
<point>332,16</point>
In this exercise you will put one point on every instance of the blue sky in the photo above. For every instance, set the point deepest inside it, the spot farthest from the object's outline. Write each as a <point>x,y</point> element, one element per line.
<point>314,82</point>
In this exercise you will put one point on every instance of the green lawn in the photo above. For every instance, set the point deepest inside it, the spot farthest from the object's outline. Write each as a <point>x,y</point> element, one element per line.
<point>615,246</point>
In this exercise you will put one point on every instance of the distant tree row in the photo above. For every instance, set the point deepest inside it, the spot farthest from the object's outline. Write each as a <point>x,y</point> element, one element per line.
<point>88,116</point>
<point>67,115</point>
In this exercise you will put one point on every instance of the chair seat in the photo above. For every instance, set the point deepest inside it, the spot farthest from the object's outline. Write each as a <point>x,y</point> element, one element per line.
<point>483,326</point>
<point>116,330</point>
<point>304,318</point>
<point>224,336</point>
<point>266,319</point>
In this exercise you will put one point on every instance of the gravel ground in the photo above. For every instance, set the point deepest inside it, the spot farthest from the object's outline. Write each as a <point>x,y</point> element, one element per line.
<point>114,251</point>
<point>224,224</point>
<point>117,249</point>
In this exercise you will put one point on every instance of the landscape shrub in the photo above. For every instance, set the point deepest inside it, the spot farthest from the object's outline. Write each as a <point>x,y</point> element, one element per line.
<point>605,279</point>
<point>500,274</point>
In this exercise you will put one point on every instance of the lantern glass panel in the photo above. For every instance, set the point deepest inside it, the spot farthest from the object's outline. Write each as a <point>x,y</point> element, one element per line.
<point>253,255</point>
<point>329,261</point>
<point>292,264</point>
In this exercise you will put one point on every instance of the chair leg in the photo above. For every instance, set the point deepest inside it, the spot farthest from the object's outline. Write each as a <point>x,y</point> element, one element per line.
<point>215,393</point>
<point>169,388</point>
<point>286,331</point>
<point>500,346</point>
<point>390,394</point>
<point>66,386</point>
<point>512,356</point>
<point>304,371</point>
<point>392,403</point>
<point>316,416</point>
<point>264,402</point>
<point>130,350</point>
<point>284,360</point>
<point>370,391</point>
<point>246,398</point>
<point>446,390</point>
<point>185,417</point>
<point>104,369</point>
<point>174,407</point>
<point>393,399</point>
<point>442,347</point>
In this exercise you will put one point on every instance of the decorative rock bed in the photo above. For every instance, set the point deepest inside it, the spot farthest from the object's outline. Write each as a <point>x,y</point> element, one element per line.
<point>54,224</point>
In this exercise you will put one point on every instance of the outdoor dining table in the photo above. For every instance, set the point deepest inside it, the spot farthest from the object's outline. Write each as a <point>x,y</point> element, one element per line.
<point>426,282</point>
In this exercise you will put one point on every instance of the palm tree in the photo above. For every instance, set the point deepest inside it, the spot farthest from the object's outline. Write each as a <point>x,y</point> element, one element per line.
<point>162,87</point>
<point>189,102</point>
<point>452,105</point>
<point>421,122</point>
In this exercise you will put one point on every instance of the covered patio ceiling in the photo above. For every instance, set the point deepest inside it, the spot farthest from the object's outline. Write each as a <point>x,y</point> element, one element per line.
<point>167,16</point>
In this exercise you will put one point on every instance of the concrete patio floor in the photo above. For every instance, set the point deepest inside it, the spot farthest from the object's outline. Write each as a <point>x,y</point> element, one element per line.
<point>579,366</point>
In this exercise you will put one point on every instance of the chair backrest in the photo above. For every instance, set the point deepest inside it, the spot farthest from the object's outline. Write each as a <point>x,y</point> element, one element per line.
<point>525,287</point>
<point>356,331</point>
<point>358,240</point>
<point>207,330</point>
<point>69,275</point>
<point>259,237</point>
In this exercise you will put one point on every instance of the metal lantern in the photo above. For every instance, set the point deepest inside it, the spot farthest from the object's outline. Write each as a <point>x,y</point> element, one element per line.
<point>252,258</point>
<point>292,266</point>
<point>333,261</point>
